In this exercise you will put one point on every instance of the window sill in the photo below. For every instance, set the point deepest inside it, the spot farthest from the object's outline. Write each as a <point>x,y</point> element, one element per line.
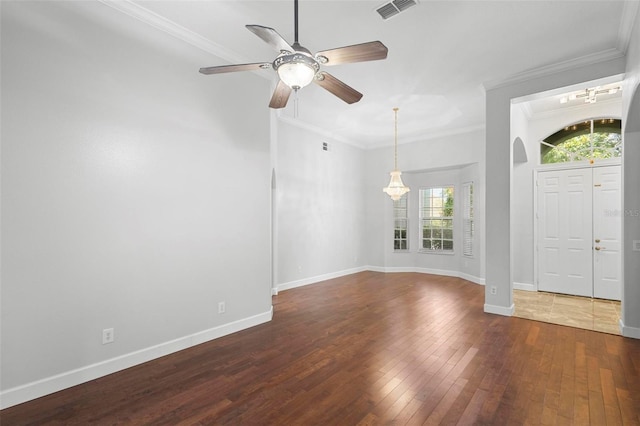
<point>438,252</point>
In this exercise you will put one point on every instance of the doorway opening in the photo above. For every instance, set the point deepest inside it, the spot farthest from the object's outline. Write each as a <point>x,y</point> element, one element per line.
<point>547,248</point>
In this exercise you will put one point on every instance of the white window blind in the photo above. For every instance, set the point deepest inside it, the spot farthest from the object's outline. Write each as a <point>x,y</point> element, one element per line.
<point>467,219</point>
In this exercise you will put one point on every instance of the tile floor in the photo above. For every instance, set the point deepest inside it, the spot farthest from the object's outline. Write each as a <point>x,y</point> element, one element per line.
<point>580,312</point>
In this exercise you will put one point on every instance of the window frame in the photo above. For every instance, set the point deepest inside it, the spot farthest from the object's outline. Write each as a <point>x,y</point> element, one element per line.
<point>588,127</point>
<point>397,239</point>
<point>431,218</point>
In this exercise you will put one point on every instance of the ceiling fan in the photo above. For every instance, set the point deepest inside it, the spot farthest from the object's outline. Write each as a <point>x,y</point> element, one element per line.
<point>297,67</point>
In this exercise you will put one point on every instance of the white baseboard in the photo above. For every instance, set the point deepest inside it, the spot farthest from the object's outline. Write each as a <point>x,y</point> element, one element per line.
<point>627,331</point>
<point>499,310</point>
<point>524,286</point>
<point>471,278</point>
<point>29,391</point>
<point>318,278</point>
<point>444,272</point>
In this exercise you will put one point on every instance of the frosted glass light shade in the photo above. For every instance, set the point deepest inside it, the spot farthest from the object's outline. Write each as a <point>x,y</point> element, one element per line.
<point>296,74</point>
<point>396,188</point>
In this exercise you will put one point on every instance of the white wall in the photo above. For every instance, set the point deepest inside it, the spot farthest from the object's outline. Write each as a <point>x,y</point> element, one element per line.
<point>320,207</point>
<point>522,202</point>
<point>134,196</point>
<point>631,175</point>
<point>452,159</point>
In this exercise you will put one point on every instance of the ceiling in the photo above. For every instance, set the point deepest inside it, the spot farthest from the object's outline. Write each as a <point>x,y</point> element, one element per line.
<point>442,54</point>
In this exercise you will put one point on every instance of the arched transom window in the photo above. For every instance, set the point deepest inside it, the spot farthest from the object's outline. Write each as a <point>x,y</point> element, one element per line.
<point>587,140</point>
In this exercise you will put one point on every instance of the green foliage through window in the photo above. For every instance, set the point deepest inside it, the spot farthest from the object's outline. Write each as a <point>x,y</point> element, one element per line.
<point>589,140</point>
<point>436,218</point>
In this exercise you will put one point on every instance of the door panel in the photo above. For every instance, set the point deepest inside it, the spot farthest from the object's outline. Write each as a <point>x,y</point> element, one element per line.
<point>607,228</point>
<point>564,232</point>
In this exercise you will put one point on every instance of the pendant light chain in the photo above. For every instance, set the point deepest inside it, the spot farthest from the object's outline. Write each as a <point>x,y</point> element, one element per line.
<point>395,138</point>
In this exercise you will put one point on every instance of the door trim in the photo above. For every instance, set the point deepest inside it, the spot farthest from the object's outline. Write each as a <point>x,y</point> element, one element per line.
<point>557,167</point>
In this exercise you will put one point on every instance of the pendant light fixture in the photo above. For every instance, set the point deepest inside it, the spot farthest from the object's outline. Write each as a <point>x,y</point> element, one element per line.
<point>396,188</point>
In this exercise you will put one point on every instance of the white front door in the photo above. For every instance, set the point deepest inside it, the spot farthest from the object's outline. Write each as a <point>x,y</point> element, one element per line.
<point>579,232</point>
<point>607,229</point>
<point>564,232</point>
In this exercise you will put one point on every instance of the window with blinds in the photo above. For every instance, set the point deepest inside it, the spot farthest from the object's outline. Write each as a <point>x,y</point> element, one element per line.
<point>436,219</point>
<point>400,224</point>
<point>467,219</point>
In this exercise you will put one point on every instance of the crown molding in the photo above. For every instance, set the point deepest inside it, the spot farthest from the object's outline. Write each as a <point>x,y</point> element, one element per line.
<point>426,135</point>
<point>528,111</point>
<point>629,13</point>
<point>422,136</point>
<point>594,58</point>
<point>134,10</point>
<point>296,122</point>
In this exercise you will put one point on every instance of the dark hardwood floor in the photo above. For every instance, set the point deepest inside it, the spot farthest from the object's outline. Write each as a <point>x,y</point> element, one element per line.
<point>370,348</point>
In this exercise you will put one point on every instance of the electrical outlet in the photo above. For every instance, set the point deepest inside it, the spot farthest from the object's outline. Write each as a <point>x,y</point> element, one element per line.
<point>494,289</point>
<point>107,336</point>
<point>221,307</point>
<point>636,245</point>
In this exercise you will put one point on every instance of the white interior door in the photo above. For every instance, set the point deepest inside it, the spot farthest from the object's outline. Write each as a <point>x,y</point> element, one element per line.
<point>565,232</point>
<point>607,230</point>
<point>579,232</point>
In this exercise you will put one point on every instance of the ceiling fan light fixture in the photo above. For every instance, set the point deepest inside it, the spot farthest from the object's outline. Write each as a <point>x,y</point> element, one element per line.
<point>296,70</point>
<point>297,67</point>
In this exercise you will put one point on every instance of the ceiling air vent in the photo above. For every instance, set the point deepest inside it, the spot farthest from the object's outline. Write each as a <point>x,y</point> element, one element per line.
<point>394,7</point>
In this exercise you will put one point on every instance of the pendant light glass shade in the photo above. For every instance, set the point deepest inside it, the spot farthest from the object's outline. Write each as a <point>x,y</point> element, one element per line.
<point>396,188</point>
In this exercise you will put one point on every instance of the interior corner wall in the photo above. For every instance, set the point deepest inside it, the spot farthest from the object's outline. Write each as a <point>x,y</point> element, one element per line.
<point>321,207</point>
<point>631,180</point>
<point>134,196</point>
<point>522,202</point>
<point>499,190</point>
<point>452,159</point>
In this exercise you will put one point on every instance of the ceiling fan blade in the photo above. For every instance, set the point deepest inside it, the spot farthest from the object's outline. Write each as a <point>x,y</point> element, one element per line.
<point>280,96</point>
<point>271,37</point>
<point>233,68</point>
<point>371,51</point>
<point>337,87</point>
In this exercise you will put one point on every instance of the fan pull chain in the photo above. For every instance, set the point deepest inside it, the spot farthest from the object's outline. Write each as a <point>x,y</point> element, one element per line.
<point>295,103</point>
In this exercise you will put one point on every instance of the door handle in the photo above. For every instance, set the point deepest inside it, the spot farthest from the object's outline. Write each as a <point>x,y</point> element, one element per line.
<point>597,240</point>
<point>598,248</point>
